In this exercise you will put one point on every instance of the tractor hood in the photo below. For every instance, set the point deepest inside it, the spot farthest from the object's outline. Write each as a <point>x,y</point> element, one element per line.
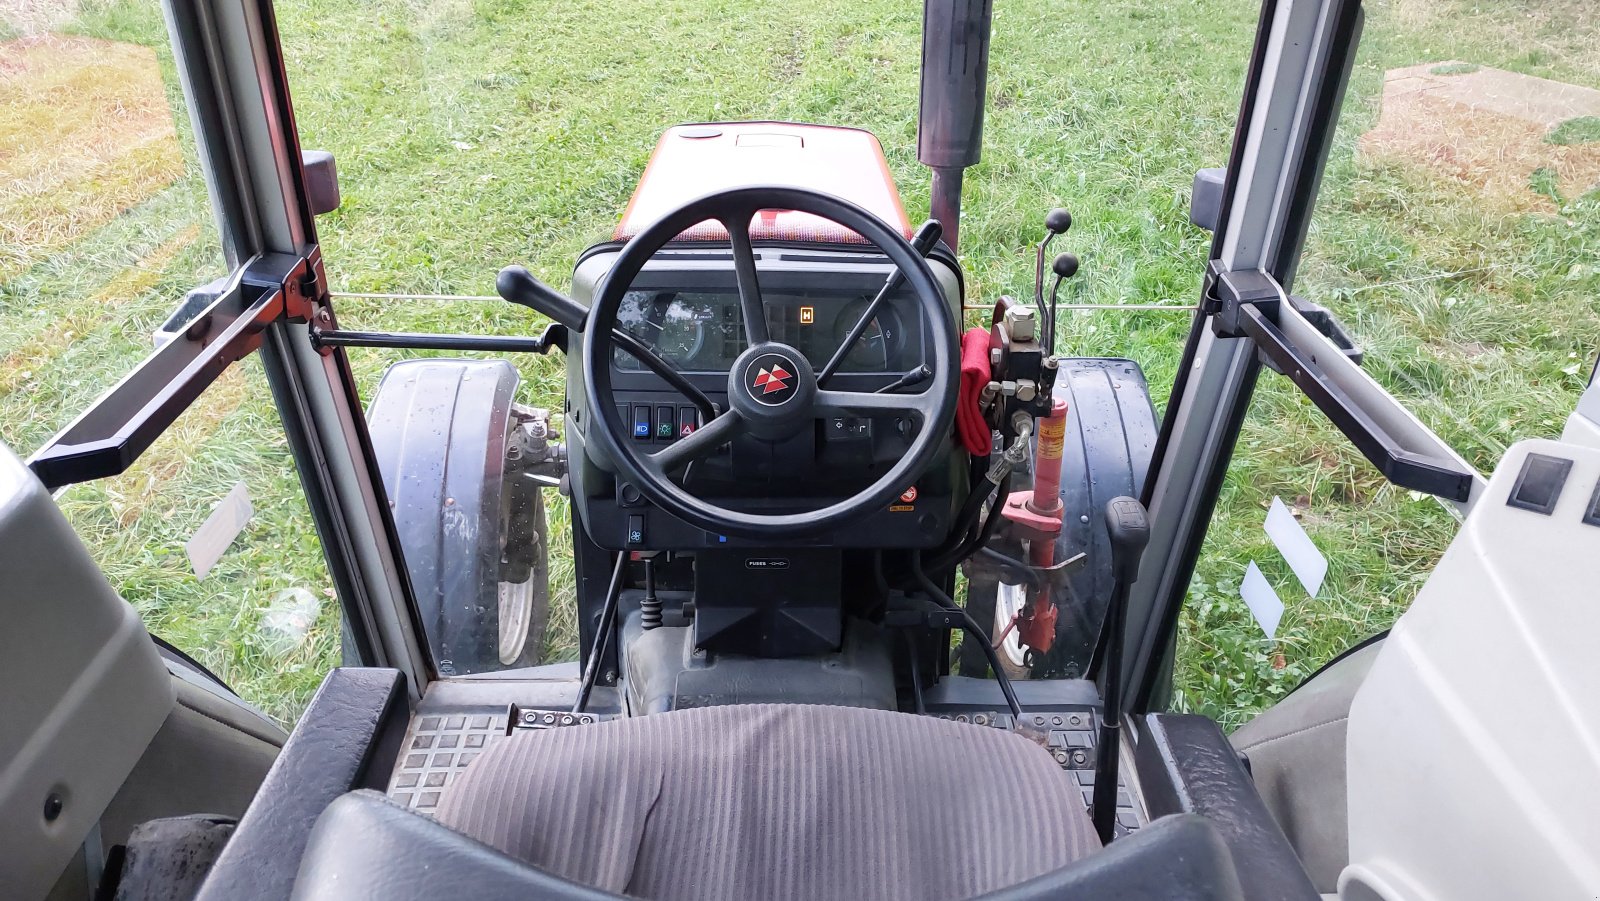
<point>691,161</point>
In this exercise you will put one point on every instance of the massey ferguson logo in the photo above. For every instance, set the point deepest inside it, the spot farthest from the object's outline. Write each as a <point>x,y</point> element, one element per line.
<point>771,380</point>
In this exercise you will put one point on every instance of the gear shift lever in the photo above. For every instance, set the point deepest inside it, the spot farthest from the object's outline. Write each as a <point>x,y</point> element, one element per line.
<point>1129,530</point>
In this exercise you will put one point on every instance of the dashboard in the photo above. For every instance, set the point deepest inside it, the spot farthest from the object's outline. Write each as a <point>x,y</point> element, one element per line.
<point>685,306</point>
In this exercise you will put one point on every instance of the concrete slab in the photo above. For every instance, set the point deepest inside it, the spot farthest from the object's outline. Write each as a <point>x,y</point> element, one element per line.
<point>1487,128</point>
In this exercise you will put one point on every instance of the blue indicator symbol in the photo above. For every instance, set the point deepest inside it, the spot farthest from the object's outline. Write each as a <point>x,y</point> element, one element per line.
<point>641,430</point>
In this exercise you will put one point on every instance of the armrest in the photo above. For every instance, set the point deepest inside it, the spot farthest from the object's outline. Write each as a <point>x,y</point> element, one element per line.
<point>1186,765</point>
<point>347,739</point>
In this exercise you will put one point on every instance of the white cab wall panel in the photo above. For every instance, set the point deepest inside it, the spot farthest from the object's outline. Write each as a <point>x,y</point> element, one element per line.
<point>82,688</point>
<point>1474,744</point>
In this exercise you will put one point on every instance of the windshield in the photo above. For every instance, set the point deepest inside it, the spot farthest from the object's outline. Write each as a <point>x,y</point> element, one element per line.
<point>1456,239</point>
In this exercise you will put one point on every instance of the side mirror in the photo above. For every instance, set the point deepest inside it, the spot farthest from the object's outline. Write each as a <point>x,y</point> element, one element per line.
<point>1205,201</point>
<point>322,181</point>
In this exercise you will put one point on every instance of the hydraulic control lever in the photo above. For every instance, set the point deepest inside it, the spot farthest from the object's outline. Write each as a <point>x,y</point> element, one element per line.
<point>1056,223</point>
<point>1129,530</point>
<point>1065,266</point>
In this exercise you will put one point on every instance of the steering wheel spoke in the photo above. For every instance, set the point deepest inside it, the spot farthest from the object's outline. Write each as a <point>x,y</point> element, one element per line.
<point>699,444</point>
<point>751,308</point>
<point>851,403</point>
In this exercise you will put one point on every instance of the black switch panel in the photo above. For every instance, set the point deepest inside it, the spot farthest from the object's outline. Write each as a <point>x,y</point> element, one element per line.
<point>1538,486</point>
<point>1592,516</point>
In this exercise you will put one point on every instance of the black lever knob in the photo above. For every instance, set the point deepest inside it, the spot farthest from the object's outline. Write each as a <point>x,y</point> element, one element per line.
<point>927,235</point>
<point>517,285</point>
<point>1057,221</point>
<point>1065,265</point>
<point>1128,526</point>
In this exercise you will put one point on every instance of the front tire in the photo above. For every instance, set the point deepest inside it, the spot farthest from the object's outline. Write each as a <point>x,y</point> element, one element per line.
<point>473,534</point>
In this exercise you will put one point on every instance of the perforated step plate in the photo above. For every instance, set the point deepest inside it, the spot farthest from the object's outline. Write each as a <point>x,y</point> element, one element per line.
<point>1070,736</point>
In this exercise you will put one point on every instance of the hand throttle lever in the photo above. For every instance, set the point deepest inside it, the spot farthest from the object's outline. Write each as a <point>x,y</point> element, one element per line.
<point>517,285</point>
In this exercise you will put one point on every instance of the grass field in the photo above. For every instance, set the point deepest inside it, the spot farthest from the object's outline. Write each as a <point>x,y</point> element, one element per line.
<point>474,133</point>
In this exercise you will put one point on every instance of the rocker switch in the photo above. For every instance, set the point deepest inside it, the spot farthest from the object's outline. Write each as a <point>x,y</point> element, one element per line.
<point>635,529</point>
<point>641,422</point>
<point>1538,486</point>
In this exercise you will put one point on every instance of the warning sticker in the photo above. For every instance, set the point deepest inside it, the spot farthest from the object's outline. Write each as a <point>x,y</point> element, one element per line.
<point>1052,436</point>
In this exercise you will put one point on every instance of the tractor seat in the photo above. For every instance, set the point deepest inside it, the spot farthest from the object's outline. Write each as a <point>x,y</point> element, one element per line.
<point>776,801</point>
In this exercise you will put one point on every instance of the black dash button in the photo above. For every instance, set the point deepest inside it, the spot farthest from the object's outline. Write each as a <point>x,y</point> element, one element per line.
<point>1592,518</point>
<point>1539,485</point>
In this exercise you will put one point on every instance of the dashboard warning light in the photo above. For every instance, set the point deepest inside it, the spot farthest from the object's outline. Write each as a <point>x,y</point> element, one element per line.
<point>808,315</point>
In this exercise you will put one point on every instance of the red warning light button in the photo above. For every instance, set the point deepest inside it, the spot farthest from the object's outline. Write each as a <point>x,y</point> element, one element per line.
<point>909,496</point>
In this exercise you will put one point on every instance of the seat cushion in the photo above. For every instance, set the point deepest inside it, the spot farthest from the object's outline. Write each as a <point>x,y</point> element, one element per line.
<point>776,801</point>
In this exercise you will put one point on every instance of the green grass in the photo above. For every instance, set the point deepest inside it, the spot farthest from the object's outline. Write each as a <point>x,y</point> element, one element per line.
<point>1582,130</point>
<point>475,133</point>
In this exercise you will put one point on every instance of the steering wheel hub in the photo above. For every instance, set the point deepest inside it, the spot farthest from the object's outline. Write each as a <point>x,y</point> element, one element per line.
<point>772,386</point>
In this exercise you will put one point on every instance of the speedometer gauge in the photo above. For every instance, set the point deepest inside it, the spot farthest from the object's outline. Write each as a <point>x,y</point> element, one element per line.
<point>681,335</point>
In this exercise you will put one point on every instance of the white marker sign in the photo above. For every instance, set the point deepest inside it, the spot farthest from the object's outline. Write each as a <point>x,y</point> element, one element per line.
<point>1261,599</point>
<point>1296,547</point>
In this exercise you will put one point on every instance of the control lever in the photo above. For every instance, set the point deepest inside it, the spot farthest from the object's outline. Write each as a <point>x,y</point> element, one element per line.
<point>1056,222</point>
<point>517,285</point>
<point>1129,530</point>
<point>1065,266</point>
<point>923,242</point>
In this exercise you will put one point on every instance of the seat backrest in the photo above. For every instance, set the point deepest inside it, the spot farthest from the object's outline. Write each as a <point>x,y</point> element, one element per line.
<point>82,688</point>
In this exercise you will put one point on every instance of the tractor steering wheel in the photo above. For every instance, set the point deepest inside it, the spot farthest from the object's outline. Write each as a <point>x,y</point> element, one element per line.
<point>755,407</point>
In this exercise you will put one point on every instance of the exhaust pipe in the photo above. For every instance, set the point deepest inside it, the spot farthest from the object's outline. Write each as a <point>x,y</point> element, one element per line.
<point>955,75</point>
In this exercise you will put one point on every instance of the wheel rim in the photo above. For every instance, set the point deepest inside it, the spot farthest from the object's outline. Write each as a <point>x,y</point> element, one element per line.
<point>516,615</point>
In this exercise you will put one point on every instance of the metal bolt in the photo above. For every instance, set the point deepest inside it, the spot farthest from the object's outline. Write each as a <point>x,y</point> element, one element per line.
<point>1080,758</point>
<point>1026,391</point>
<point>1021,323</point>
<point>530,717</point>
<point>1061,757</point>
<point>52,807</point>
<point>549,718</point>
<point>980,719</point>
<point>1055,721</point>
<point>1038,720</point>
<point>609,677</point>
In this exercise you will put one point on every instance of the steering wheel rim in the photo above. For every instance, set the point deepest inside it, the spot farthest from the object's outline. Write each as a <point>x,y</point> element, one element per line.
<point>735,208</point>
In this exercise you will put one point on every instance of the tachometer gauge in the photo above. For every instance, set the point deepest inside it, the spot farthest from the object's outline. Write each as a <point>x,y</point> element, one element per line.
<point>876,346</point>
